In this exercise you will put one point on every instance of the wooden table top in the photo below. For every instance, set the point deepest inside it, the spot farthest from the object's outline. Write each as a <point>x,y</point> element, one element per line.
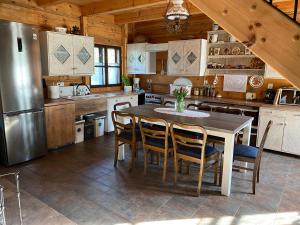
<point>221,122</point>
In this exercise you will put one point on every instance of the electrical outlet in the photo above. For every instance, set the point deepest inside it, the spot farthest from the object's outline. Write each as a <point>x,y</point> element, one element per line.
<point>60,84</point>
<point>270,86</point>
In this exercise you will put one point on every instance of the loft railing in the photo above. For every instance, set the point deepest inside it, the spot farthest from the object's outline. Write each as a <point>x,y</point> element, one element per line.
<point>292,13</point>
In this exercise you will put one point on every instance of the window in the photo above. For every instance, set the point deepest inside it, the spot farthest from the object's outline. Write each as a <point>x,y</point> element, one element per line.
<point>107,66</point>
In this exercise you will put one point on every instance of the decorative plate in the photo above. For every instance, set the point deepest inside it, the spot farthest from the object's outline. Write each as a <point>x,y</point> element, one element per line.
<point>256,81</point>
<point>235,51</point>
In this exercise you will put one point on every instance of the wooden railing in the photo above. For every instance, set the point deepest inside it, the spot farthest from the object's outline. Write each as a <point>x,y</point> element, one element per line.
<point>292,14</point>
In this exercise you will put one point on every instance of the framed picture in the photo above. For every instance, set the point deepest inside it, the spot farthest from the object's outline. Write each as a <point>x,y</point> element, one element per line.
<point>217,51</point>
<point>247,51</point>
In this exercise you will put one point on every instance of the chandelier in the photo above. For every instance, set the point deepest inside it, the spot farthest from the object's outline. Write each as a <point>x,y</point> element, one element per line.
<point>177,16</point>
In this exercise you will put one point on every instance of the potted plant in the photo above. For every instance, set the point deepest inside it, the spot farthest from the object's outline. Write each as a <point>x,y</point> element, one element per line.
<point>126,83</point>
<point>180,95</point>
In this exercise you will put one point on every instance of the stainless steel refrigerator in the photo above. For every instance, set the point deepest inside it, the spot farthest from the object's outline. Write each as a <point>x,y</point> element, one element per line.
<point>22,126</point>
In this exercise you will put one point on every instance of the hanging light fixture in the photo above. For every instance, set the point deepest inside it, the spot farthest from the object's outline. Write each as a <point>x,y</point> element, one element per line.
<point>177,16</point>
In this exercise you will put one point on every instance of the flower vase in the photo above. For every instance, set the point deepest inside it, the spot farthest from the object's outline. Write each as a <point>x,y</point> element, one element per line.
<point>179,105</point>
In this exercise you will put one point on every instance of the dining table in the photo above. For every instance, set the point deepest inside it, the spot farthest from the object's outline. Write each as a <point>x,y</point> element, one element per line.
<point>222,125</point>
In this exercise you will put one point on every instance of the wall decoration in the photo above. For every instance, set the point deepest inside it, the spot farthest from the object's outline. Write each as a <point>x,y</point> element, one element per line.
<point>235,83</point>
<point>236,51</point>
<point>256,81</point>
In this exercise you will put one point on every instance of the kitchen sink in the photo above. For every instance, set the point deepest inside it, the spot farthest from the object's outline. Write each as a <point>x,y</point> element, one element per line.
<point>85,97</point>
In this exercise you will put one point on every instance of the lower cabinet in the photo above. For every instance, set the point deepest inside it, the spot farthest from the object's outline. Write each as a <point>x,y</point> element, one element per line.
<point>284,135</point>
<point>60,125</point>
<point>133,99</point>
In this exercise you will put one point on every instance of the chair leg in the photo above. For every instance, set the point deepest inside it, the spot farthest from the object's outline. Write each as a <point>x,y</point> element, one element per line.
<point>165,166</point>
<point>133,150</point>
<point>145,161</point>
<point>258,170</point>
<point>188,164</point>
<point>116,152</point>
<point>254,178</point>
<point>175,169</point>
<point>158,158</point>
<point>200,179</point>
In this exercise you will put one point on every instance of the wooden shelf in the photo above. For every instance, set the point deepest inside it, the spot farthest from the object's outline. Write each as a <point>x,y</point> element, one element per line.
<point>225,43</point>
<point>244,71</point>
<point>230,56</point>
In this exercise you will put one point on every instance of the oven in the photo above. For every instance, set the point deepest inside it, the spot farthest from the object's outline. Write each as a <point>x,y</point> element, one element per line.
<point>151,98</point>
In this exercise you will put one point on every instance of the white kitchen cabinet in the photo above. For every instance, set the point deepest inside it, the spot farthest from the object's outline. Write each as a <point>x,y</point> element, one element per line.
<point>291,138</point>
<point>187,57</point>
<point>139,61</point>
<point>283,135</point>
<point>133,99</point>
<point>66,54</point>
<point>271,73</point>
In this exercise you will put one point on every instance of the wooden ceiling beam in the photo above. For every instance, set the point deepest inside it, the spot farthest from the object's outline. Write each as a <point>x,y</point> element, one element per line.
<point>118,6</point>
<point>268,33</point>
<point>149,14</point>
<point>49,2</point>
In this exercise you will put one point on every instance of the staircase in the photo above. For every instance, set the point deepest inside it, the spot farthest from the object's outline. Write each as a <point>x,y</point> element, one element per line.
<point>270,28</point>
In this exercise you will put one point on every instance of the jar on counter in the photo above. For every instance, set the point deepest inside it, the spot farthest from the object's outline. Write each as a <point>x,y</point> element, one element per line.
<point>196,91</point>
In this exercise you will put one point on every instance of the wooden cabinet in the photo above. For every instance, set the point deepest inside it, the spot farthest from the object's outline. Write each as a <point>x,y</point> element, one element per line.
<point>283,135</point>
<point>66,54</point>
<point>271,73</point>
<point>139,61</point>
<point>133,99</point>
<point>60,125</point>
<point>187,57</point>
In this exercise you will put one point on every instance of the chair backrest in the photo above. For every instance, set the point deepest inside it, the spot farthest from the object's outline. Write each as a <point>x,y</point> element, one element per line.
<point>204,108</point>
<point>229,111</point>
<point>220,109</point>
<point>179,138</point>
<point>169,103</point>
<point>149,130</point>
<point>264,138</point>
<point>122,105</point>
<point>119,120</point>
<point>192,106</point>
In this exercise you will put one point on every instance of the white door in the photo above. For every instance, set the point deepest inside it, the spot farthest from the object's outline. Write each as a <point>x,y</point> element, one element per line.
<point>291,138</point>
<point>192,57</point>
<point>275,136</point>
<point>131,58</point>
<point>176,58</point>
<point>141,58</point>
<point>83,55</point>
<point>60,54</point>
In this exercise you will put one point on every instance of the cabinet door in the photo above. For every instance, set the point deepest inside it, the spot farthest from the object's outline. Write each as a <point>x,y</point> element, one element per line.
<point>275,136</point>
<point>60,125</point>
<point>192,57</point>
<point>291,138</point>
<point>60,52</point>
<point>176,58</point>
<point>140,66</point>
<point>83,50</point>
<point>131,58</point>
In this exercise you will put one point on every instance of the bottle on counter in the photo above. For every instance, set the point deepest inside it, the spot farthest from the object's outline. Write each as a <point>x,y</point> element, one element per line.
<point>196,91</point>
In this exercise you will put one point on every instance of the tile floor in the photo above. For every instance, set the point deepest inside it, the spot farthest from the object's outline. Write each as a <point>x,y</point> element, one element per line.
<point>79,185</point>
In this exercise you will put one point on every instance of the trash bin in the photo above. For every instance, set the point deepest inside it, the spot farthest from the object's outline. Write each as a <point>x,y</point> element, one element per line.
<point>79,131</point>
<point>99,123</point>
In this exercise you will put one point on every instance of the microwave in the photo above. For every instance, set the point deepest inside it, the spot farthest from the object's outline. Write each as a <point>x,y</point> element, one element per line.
<point>287,96</point>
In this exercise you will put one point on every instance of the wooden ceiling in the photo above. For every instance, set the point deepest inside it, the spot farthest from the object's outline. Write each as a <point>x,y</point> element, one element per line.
<point>131,11</point>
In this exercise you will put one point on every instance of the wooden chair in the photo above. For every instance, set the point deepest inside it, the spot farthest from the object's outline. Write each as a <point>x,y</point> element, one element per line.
<point>169,103</point>
<point>192,106</point>
<point>122,105</point>
<point>204,108</point>
<point>195,150</point>
<point>250,154</point>
<point>155,140</point>
<point>228,111</point>
<point>125,133</point>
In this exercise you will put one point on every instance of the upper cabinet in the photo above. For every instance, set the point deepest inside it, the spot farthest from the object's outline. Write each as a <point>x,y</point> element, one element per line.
<point>187,57</point>
<point>66,54</point>
<point>139,61</point>
<point>271,73</point>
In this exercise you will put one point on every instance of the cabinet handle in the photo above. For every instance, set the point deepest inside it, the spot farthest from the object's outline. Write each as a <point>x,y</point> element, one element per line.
<point>280,124</point>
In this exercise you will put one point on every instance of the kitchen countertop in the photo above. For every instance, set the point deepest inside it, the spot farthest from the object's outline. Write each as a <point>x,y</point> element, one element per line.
<point>118,94</point>
<point>60,101</point>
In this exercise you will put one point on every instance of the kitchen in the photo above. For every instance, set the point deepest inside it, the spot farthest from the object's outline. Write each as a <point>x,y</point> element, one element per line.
<point>94,58</point>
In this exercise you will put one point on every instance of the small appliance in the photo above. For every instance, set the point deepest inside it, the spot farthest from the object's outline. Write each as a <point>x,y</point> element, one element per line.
<point>270,95</point>
<point>151,98</point>
<point>53,92</point>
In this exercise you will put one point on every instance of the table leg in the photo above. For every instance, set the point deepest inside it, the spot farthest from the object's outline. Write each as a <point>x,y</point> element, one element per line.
<point>227,164</point>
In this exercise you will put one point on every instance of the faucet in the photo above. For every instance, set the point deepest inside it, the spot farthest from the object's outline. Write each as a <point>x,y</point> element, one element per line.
<point>79,92</point>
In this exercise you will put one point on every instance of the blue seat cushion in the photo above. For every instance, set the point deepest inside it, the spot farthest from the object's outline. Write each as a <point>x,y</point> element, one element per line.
<point>128,135</point>
<point>158,142</point>
<point>195,152</point>
<point>245,151</point>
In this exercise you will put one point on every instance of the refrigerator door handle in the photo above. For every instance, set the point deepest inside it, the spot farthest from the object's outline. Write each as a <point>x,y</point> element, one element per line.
<point>20,47</point>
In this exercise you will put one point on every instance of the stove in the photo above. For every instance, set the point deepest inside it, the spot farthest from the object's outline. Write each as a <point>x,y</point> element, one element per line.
<point>151,98</point>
